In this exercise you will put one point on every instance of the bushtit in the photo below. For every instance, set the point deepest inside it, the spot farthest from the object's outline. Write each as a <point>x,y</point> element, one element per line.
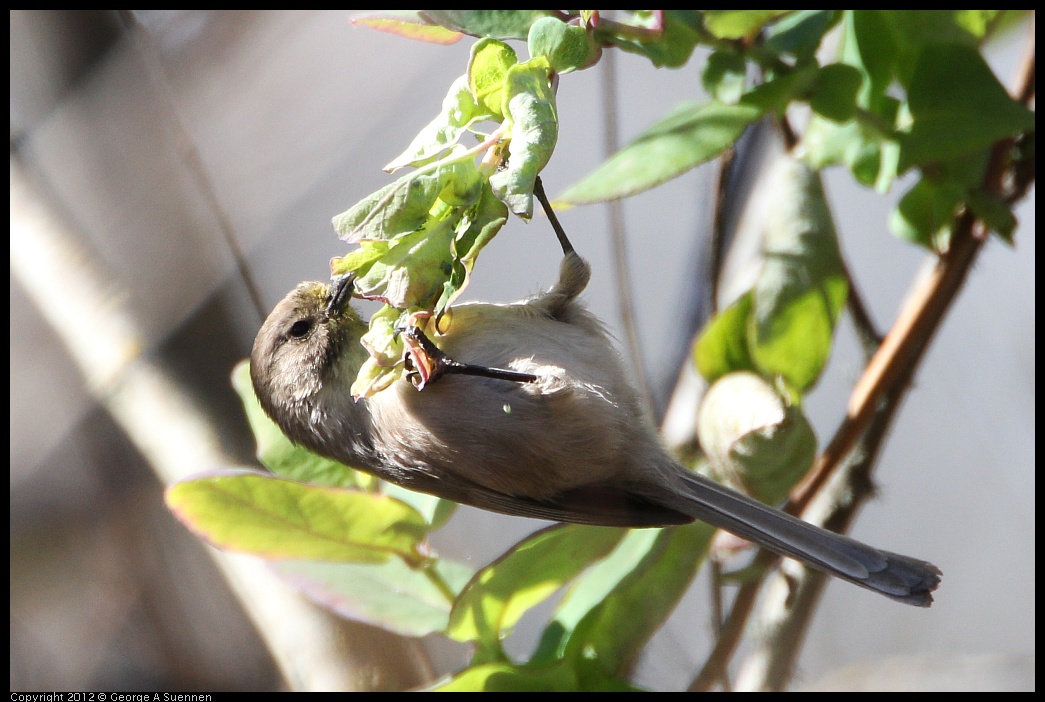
<point>557,433</point>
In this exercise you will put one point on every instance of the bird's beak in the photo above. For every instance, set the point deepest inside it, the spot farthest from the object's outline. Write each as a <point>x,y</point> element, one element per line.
<point>340,293</point>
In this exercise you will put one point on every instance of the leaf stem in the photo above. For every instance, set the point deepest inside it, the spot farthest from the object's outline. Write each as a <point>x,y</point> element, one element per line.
<point>429,571</point>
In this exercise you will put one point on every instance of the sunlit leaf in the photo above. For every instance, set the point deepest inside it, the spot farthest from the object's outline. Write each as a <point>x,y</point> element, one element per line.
<point>566,46</point>
<point>529,108</point>
<point>479,225</point>
<point>406,23</point>
<point>802,288</point>
<point>385,346</point>
<point>723,346</point>
<point>404,600</point>
<point>692,134</point>
<point>359,261</point>
<point>526,575</point>
<point>487,67</point>
<point>754,439</point>
<point>548,677</point>
<point>507,677</point>
<point>398,208</point>
<point>739,24</point>
<point>411,273</point>
<point>499,24</point>
<point>614,631</point>
<point>590,589</point>
<point>274,518</point>
<point>459,111</point>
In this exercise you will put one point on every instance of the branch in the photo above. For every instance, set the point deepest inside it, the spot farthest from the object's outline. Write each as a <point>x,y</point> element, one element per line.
<point>841,479</point>
<point>872,408</point>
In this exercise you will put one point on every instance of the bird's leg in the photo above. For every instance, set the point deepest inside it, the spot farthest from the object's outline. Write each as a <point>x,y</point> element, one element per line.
<point>431,363</point>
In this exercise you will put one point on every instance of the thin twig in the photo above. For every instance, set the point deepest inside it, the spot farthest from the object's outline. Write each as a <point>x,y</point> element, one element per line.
<point>618,235</point>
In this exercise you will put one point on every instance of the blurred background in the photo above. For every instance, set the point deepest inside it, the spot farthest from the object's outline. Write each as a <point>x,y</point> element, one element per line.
<point>179,149</point>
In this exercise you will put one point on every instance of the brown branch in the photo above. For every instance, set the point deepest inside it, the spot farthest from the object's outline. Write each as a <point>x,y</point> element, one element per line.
<point>872,407</point>
<point>906,342</point>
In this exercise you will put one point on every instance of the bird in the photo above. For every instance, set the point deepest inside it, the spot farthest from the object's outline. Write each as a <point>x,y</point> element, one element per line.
<point>528,411</point>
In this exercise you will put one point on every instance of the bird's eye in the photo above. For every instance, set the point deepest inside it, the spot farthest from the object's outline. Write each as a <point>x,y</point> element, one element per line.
<point>301,328</point>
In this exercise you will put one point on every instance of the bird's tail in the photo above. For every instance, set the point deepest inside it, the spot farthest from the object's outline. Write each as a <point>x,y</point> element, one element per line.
<point>904,579</point>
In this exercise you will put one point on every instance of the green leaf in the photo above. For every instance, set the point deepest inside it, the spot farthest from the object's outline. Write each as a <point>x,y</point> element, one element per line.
<point>868,45</point>
<point>670,49</point>
<point>692,134</point>
<point>372,378</point>
<point>412,272</point>
<point>978,22</point>
<point>926,212</point>
<point>739,24</point>
<point>479,225</point>
<point>567,47</point>
<point>590,589</point>
<point>529,109</point>
<point>868,145</point>
<point>459,111</point>
<point>994,212</point>
<point>836,91</point>
<point>725,76</point>
<point>406,23</point>
<point>914,31</point>
<point>385,348</point>
<point>556,676</point>
<point>827,143</point>
<point>802,288</point>
<point>274,518</point>
<point>435,510</point>
<point>277,453</point>
<point>487,68</point>
<point>499,24</point>
<point>507,677</point>
<point>957,106</point>
<point>498,596</point>
<point>612,634</point>
<point>774,96</point>
<point>392,595</point>
<point>723,346</point>
<point>398,208</point>
<point>799,34</point>
<point>754,440</point>
<point>359,261</point>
